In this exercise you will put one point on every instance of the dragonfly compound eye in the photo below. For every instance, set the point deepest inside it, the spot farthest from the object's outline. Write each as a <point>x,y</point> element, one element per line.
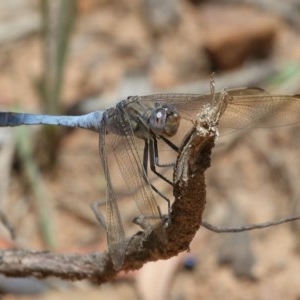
<point>157,121</point>
<point>164,121</point>
<point>172,124</point>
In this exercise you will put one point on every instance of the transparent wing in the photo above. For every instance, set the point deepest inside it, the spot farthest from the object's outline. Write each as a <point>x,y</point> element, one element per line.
<point>115,231</point>
<point>261,111</point>
<point>247,107</point>
<point>120,147</point>
<point>131,168</point>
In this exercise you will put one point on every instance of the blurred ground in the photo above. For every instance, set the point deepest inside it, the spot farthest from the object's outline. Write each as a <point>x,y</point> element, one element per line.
<point>134,47</point>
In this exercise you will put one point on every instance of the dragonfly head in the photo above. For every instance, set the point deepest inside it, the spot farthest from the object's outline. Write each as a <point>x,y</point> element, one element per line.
<point>164,120</point>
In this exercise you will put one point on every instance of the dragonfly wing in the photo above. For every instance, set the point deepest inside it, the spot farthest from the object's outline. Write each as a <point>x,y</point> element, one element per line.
<point>247,107</point>
<point>261,111</point>
<point>132,170</point>
<point>115,231</point>
<point>189,105</point>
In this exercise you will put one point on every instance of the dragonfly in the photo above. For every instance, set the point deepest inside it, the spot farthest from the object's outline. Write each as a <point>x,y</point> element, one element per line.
<point>155,122</point>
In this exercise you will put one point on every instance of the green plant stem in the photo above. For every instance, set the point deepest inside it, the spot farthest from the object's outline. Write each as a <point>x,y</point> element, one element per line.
<point>58,19</point>
<point>33,176</point>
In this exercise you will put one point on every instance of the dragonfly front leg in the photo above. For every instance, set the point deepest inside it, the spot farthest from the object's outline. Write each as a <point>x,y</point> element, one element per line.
<point>156,154</point>
<point>153,159</point>
<point>145,165</point>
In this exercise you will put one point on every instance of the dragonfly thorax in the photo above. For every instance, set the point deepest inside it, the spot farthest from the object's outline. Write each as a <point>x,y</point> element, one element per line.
<point>144,119</point>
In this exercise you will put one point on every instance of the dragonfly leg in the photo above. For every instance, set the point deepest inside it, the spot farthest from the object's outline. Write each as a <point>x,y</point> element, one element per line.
<point>145,165</point>
<point>145,157</point>
<point>99,216</point>
<point>152,161</point>
<point>164,197</point>
<point>141,220</point>
<point>7,224</point>
<point>170,144</point>
<point>156,154</point>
